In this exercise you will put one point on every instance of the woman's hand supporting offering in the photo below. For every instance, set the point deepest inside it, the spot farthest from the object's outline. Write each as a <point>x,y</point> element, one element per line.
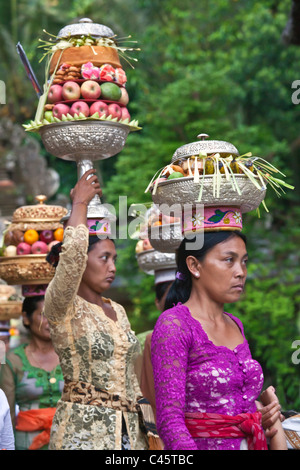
<point>86,188</point>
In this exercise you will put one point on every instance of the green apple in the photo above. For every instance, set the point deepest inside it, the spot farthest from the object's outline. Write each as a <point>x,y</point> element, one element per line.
<point>110,91</point>
<point>175,174</point>
<point>49,116</point>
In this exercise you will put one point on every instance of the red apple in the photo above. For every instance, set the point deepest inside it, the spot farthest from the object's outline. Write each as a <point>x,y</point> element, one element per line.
<point>124,96</point>
<point>71,91</point>
<point>158,180</point>
<point>125,114</point>
<point>55,94</point>
<point>169,219</point>
<point>147,245</point>
<point>60,109</point>
<point>114,110</point>
<point>51,244</point>
<point>90,90</point>
<point>80,107</point>
<point>23,248</point>
<point>46,236</point>
<point>39,248</point>
<point>99,107</point>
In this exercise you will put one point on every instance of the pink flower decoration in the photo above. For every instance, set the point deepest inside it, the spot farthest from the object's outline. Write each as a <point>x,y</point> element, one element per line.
<point>88,65</point>
<point>120,76</point>
<point>89,71</point>
<point>107,73</point>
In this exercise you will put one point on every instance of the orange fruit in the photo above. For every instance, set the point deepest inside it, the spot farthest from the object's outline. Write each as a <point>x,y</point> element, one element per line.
<point>31,236</point>
<point>59,234</point>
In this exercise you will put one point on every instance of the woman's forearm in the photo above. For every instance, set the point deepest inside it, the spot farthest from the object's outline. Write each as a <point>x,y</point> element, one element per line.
<point>78,214</point>
<point>72,262</point>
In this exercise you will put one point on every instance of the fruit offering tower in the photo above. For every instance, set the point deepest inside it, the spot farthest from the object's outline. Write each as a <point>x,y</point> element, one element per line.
<point>27,240</point>
<point>82,115</point>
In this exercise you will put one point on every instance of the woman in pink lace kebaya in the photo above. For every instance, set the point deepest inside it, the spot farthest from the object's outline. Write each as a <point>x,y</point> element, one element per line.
<point>206,381</point>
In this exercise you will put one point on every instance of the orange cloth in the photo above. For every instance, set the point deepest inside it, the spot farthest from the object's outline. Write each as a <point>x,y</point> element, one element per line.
<point>36,420</point>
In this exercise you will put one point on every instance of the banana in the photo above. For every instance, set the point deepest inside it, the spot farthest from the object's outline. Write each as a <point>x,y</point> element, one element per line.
<point>209,166</point>
<point>221,168</point>
<point>234,166</point>
<point>249,165</point>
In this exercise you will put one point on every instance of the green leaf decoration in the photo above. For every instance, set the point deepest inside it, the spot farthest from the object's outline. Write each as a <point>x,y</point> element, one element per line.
<point>218,216</point>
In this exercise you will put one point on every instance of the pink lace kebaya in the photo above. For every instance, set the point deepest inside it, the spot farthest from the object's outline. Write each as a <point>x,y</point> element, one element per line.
<point>192,374</point>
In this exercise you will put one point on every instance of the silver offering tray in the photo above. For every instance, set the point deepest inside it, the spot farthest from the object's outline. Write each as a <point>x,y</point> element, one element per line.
<point>184,191</point>
<point>85,27</point>
<point>81,140</point>
<point>205,146</point>
<point>165,238</point>
<point>151,261</point>
<point>86,142</point>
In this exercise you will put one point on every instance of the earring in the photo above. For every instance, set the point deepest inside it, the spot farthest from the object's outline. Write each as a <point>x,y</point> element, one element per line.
<point>197,275</point>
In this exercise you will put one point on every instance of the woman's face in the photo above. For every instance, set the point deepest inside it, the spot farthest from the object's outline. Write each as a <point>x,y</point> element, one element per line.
<point>223,271</point>
<point>38,323</point>
<point>101,269</point>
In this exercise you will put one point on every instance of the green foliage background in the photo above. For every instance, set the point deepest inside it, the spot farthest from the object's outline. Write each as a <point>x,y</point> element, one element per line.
<point>215,67</point>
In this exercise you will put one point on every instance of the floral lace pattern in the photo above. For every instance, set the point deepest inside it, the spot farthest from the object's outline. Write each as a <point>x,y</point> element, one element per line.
<point>94,349</point>
<point>192,374</point>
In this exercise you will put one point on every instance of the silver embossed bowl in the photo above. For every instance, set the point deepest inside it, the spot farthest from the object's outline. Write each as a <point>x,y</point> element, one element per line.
<point>184,191</point>
<point>85,27</point>
<point>205,146</point>
<point>151,261</point>
<point>165,238</point>
<point>75,140</point>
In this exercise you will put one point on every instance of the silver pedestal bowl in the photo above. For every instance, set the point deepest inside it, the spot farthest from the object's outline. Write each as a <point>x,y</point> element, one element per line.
<point>86,142</point>
<point>184,192</point>
<point>151,261</point>
<point>165,238</point>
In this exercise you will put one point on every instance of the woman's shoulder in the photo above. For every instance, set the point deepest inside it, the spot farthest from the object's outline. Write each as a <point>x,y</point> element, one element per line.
<point>237,321</point>
<point>175,318</point>
<point>177,311</point>
<point>174,328</point>
<point>16,353</point>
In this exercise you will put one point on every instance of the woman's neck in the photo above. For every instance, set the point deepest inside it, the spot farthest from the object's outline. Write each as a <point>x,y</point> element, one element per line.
<point>96,298</point>
<point>202,306</point>
<point>90,295</point>
<point>37,344</point>
<point>41,354</point>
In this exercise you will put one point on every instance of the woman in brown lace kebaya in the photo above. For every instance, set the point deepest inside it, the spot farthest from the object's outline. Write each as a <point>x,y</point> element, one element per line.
<point>98,409</point>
